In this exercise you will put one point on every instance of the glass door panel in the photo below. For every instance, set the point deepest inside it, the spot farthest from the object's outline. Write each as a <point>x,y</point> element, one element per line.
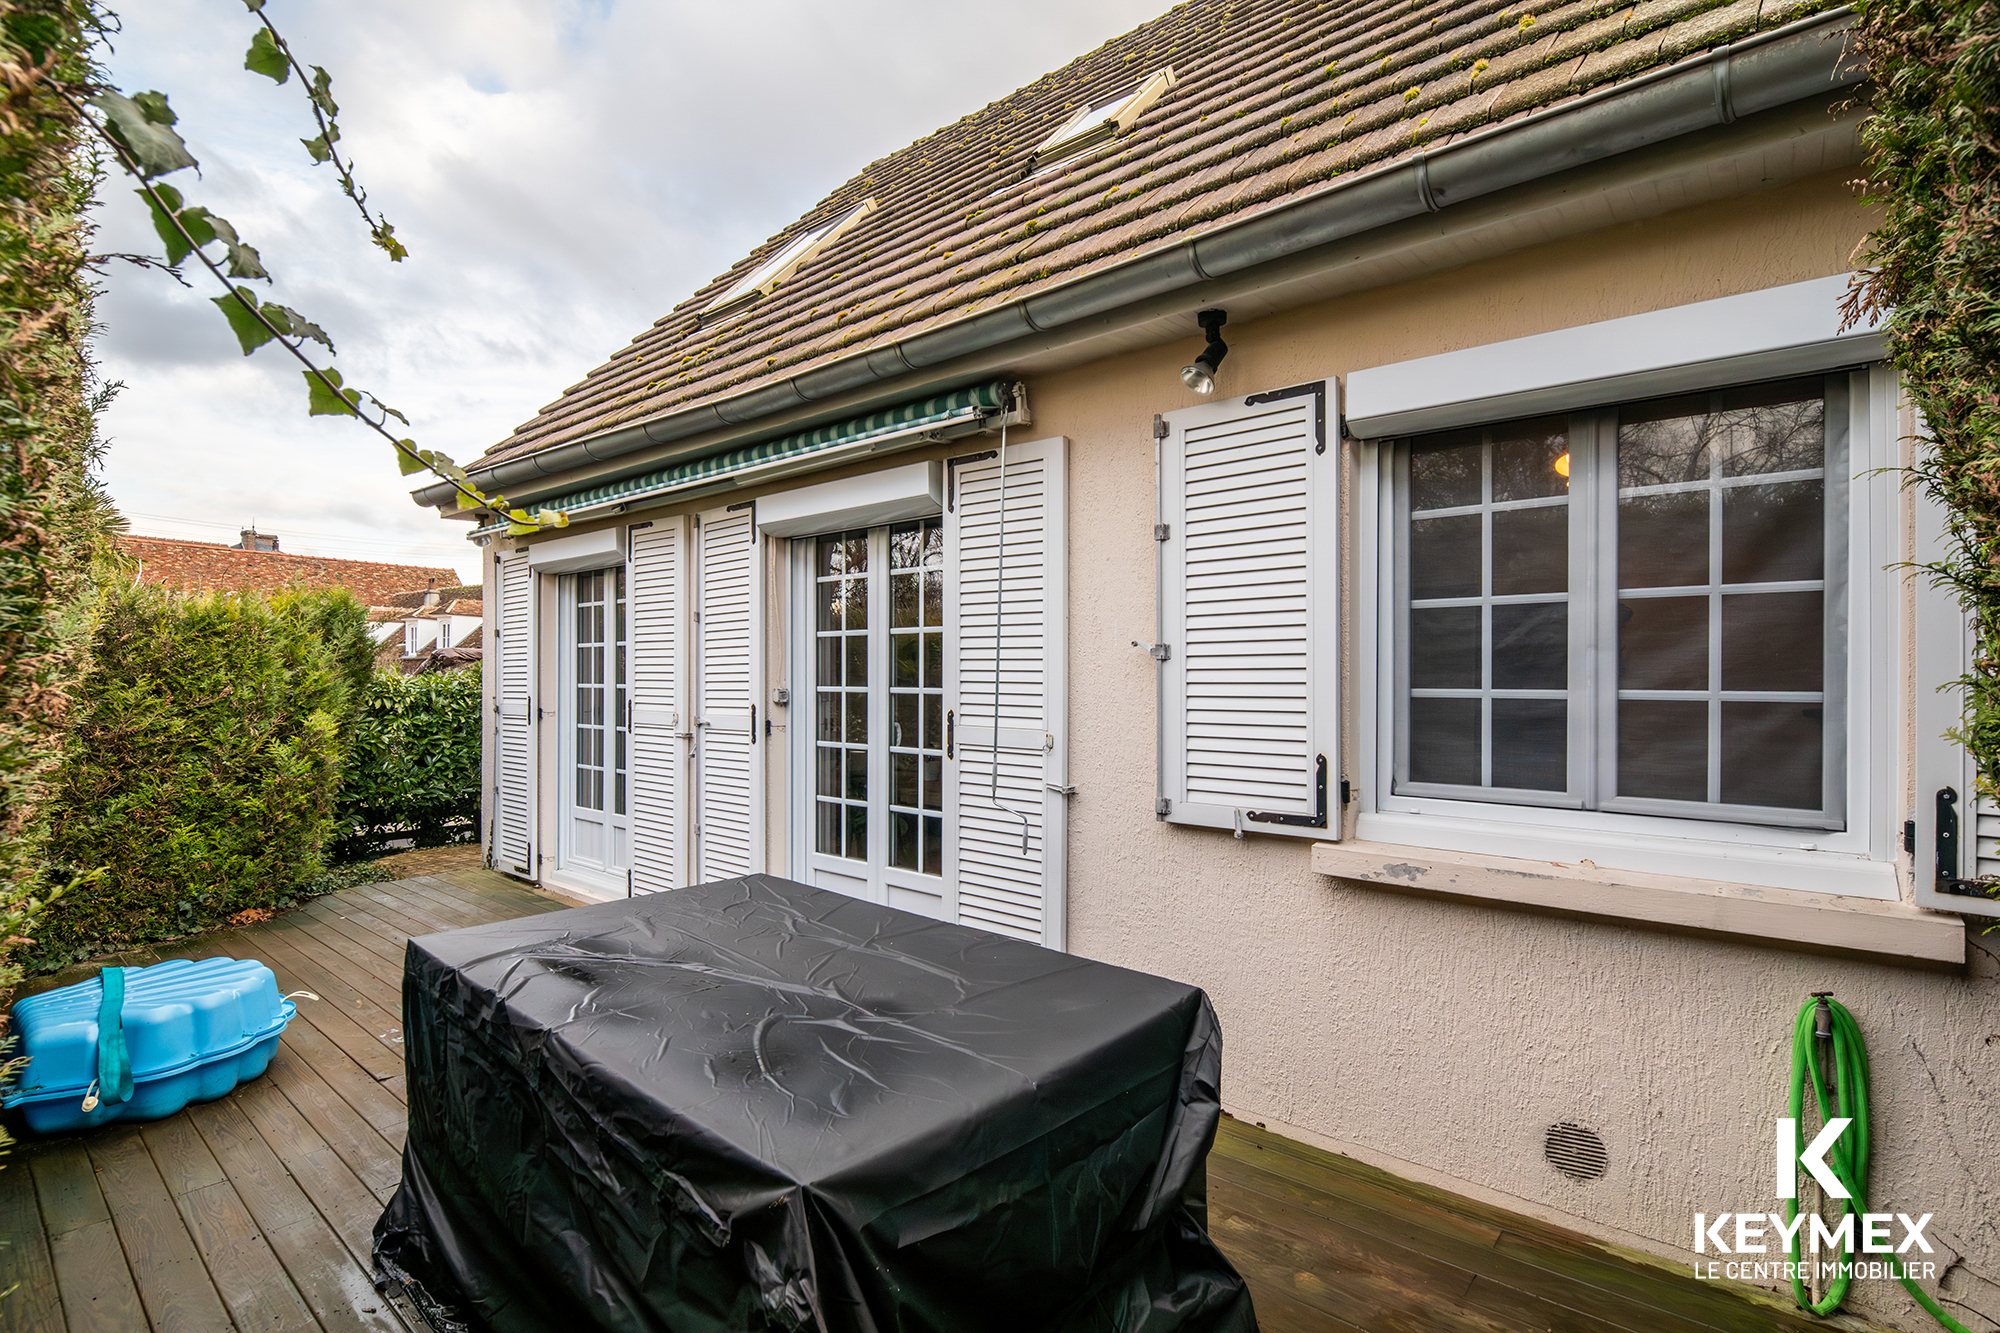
<point>594,831</point>
<point>875,761</point>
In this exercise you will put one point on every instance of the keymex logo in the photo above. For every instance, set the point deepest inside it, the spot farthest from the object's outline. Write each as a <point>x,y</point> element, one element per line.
<point>1809,1234</point>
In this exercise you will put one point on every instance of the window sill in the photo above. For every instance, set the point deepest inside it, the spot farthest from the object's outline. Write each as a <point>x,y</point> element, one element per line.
<point>1779,917</point>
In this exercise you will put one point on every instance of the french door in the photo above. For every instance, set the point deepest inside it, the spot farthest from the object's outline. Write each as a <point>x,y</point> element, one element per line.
<point>874,757</point>
<point>593,834</point>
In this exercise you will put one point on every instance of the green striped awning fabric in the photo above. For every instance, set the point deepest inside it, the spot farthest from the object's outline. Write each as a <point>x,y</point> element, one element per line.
<point>907,419</point>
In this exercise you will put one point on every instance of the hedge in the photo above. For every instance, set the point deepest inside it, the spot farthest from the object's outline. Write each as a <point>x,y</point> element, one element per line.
<point>201,774</point>
<point>413,771</point>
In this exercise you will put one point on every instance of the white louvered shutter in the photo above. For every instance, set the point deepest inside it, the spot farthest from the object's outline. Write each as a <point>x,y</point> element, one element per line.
<point>1249,588</point>
<point>726,841</point>
<point>656,602</point>
<point>1956,837</point>
<point>513,716</point>
<point>1006,544</point>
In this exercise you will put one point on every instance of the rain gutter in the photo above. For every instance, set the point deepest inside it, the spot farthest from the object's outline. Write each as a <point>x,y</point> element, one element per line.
<point>1788,64</point>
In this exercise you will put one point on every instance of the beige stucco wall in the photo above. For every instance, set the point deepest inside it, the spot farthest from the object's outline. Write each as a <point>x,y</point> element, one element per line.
<point>1443,1038</point>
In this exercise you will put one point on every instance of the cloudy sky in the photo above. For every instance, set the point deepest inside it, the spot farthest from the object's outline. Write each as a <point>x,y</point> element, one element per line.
<point>563,172</point>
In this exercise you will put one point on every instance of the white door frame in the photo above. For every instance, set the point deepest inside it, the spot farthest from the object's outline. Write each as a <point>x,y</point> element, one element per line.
<point>613,877</point>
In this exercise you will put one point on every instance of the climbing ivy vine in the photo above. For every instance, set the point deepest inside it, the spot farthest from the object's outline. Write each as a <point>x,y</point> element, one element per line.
<point>138,131</point>
<point>1932,271</point>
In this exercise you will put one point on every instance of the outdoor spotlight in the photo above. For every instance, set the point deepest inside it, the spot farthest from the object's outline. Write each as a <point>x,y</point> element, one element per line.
<point>1201,375</point>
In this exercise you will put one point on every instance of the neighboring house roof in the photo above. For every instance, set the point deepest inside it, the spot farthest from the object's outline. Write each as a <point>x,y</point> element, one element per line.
<point>406,600</point>
<point>1273,99</point>
<point>213,567</point>
<point>389,653</point>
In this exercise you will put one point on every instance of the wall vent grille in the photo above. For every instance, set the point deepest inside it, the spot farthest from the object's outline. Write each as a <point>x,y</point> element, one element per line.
<point>1575,1151</point>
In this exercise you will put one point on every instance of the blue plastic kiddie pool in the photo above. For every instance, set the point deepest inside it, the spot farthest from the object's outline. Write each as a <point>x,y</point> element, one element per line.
<point>183,1031</point>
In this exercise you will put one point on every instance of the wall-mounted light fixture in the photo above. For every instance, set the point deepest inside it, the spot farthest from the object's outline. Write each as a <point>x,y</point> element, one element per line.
<point>1201,375</point>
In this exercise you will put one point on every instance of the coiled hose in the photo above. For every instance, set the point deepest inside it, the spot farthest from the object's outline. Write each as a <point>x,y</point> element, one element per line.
<point>1848,1157</point>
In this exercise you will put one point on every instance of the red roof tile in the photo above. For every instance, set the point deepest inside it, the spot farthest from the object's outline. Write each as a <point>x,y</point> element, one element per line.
<point>213,567</point>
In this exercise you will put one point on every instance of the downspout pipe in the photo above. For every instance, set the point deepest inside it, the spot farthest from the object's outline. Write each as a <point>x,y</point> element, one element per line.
<point>1788,64</point>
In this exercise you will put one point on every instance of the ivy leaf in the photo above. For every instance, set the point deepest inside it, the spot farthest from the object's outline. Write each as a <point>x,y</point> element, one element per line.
<point>295,324</point>
<point>154,147</point>
<point>321,91</point>
<point>245,262</point>
<point>466,501</point>
<point>154,104</point>
<point>170,236</point>
<point>406,457</point>
<point>199,226</point>
<point>249,330</point>
<point>390,410</point>
<point>266,57</point>
<point>384,235</point>
<point>316,148</point>
<point>325,402</point>
<point>253,5</point>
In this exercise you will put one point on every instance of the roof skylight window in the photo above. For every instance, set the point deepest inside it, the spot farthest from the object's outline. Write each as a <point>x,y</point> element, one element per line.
<point>1094,125</point>
<point>790,258</point>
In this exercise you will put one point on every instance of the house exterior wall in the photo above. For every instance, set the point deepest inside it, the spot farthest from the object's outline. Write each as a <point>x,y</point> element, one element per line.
<point>1442,1038</point>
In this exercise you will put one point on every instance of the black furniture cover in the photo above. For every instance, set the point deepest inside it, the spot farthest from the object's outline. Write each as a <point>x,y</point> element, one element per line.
<point>757,1105</point>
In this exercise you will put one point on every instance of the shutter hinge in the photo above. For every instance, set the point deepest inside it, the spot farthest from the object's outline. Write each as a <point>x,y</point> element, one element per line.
<point>1317,819</point>
<point>1060,791</point>
<point>1159,652</point>
<point>1160,431</point>
<point>1346,793</point>
<point>1162,531</point>
<point>1163,807</point>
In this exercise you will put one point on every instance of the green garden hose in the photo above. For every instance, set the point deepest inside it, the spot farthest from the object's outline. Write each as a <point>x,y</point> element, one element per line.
<point>1848,1157</point>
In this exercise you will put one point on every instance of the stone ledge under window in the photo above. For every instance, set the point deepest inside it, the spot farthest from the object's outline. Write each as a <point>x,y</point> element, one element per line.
<point>1778,917</point>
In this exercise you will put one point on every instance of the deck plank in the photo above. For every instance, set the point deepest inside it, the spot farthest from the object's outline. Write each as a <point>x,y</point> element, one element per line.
<point>373,1157</point>
<point>33,1305</point>
<point>326,1272</point>
<point>252,1282</point>
<point>166,1265</point>
<point>92,1277</point>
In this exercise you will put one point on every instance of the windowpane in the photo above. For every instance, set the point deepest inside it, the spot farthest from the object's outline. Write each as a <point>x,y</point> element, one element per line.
<point>857,775</point>
<point>1445,557</point>
<point>1444,647</point>
<point>1531,550</point>
<point>855,616</point>
<point>827,669</point>
<point>934,598</point>
<point>933,845</point>
<point>1663,749</point>
<point>934,661</point>
<point>905,769</point>
<point>827,837</point>
<point>1665,441</point>
<point>1530,650</point>
<point>1663,643</point>
<point>1531,744</point>
<point>1444,741</point>
<point>1445,474</point>
<point>903,600</point>
<point>903,840</point>
<point>1663,540</point>
<point>857,660</point>
<point>857,831</point>
<point>827,597</point>
<point>829,715</point>
<point>933,782</point>
<point>829,771</point>
<point>1531,459</point>
<point>907,721</point>
<point>1774,641</point>
<point>906,545</point>
<point>857,719</point>
<point>1773,534</point>
<point>1771,428</point>
<point>906,662</point>
<point>1772,754</point>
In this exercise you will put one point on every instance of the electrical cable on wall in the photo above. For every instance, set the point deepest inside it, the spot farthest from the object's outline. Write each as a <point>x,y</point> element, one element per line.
<point>999,628</point>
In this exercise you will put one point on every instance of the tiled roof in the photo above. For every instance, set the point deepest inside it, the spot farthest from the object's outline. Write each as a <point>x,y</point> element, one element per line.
<point>1274,98</point>
<point>213,567</point>
<point>415,599</point>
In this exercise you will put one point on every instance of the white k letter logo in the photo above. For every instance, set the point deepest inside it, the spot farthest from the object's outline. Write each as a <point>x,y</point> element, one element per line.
<point>1813,1159</point>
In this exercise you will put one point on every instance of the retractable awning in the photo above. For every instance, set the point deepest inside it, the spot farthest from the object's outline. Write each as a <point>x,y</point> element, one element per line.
<point>824,444</point>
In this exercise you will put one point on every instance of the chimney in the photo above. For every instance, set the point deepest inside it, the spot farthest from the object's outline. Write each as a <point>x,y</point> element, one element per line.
<point>430,594</point>
<point>253,540</point>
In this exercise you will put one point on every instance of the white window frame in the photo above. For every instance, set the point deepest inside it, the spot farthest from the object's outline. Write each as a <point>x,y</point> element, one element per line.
<point>1858,859</point>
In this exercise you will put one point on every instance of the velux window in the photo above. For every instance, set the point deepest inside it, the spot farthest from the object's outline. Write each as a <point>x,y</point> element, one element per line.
<point>1629,609</point>
<point>794,255</point>
<point>1096,124</point>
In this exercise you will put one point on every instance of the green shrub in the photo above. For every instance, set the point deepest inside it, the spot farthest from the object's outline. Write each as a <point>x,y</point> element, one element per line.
<point>200,776</point>
<point>413,771</point>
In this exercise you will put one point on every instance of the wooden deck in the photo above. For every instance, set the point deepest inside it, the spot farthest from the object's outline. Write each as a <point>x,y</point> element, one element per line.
<point>255,1212</point>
